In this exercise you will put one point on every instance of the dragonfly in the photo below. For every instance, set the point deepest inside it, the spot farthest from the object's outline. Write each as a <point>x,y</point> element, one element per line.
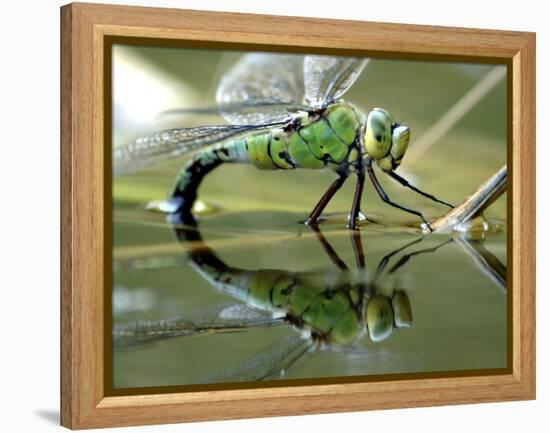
<point>284,112</point>
<point>328,310</point>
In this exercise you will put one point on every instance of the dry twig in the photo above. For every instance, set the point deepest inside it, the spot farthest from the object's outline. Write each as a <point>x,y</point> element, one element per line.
<point>474,205</point>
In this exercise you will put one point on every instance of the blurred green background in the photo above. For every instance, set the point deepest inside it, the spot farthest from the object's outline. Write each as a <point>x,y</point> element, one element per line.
<point>459,314</point>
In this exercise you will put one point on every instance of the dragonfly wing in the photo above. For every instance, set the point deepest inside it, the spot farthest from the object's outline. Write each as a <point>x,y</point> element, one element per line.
<point>272,363</point>
<point>269,109</point>
<point>164,145</point>
<point>225,317</point>
<point>261,88</point>
<point>327,78</point>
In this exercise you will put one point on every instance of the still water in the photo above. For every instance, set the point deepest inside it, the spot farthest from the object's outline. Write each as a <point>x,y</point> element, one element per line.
<point>458,312</point>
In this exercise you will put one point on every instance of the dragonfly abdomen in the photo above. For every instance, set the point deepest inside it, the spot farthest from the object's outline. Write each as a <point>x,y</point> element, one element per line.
<point>268,150</point>
<point>194,170</point>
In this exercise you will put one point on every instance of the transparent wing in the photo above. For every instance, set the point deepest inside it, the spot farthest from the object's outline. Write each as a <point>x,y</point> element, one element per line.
<point>226,317</point>
<point>161,146</point>
<point>327,77</point>
<point>243,109</point>
<point>261,88</point>
<point>272,363</point>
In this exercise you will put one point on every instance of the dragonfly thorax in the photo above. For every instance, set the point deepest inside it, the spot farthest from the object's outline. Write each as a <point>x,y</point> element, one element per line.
<point>384,139</point>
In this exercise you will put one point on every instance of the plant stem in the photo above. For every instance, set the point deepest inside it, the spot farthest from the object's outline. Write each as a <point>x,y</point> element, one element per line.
<point>474,205</point>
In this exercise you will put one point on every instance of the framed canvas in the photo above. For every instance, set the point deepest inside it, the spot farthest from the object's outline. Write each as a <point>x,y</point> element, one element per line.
<point>208,273</point>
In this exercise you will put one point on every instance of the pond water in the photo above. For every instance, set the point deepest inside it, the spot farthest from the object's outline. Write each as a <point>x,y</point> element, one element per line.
<point>458,312</point>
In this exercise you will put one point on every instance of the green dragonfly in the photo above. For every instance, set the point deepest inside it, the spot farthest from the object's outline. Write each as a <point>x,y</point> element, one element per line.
<point>331,310</point>
<point>284,112</point>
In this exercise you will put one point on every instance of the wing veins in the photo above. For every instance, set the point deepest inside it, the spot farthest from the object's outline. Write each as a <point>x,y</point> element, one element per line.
<point>160,146</point>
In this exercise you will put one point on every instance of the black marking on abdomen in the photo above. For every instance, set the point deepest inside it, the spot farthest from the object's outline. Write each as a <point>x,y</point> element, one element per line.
<point>284,155</point>
<point>269,151</point>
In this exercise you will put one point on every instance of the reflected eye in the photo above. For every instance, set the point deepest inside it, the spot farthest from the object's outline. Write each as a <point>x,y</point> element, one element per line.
<point>402,309</point>
<point>379,317</point>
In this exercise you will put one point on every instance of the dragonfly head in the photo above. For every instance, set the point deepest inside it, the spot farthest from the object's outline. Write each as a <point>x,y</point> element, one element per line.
<point>385,313</point>
<point>385,140</point>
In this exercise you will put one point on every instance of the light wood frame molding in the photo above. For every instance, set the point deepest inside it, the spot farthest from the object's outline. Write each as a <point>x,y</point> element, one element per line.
<point>83,209</point>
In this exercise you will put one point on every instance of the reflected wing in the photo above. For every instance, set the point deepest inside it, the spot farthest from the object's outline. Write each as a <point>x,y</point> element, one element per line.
<point>327,78</point>
<point>226,317</point>
<point>164,145</point>
<point>272,363</point>
<point>261,88</point>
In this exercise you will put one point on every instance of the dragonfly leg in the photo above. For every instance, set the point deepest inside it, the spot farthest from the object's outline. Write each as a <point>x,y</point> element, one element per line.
<point>327,196</point>
<point>387,200</point>
<point>406,184</point>
<point>386,259</point>
<point>356,206</point>
<point>332,254</point>
<point>358,250</point>
<point>404,259</point>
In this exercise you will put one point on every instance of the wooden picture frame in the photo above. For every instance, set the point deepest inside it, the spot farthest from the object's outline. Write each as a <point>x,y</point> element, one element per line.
<point>85,27</point>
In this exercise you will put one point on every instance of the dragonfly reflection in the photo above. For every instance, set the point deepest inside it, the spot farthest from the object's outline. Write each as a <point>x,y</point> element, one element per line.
<point>328,310</point>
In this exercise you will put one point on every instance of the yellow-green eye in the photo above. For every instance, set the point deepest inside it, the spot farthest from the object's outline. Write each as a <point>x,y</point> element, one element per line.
<point>402,309</point>
<point>378,135</point>
<point>379,318</point>
<point>400,141</point>
<point>385,163</point>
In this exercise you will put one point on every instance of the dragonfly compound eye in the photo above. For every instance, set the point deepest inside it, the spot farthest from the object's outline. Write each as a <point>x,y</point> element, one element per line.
<point>378,134</point>
<point>400,142</point>
<point>379,317</point>
<point>402,309</point>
